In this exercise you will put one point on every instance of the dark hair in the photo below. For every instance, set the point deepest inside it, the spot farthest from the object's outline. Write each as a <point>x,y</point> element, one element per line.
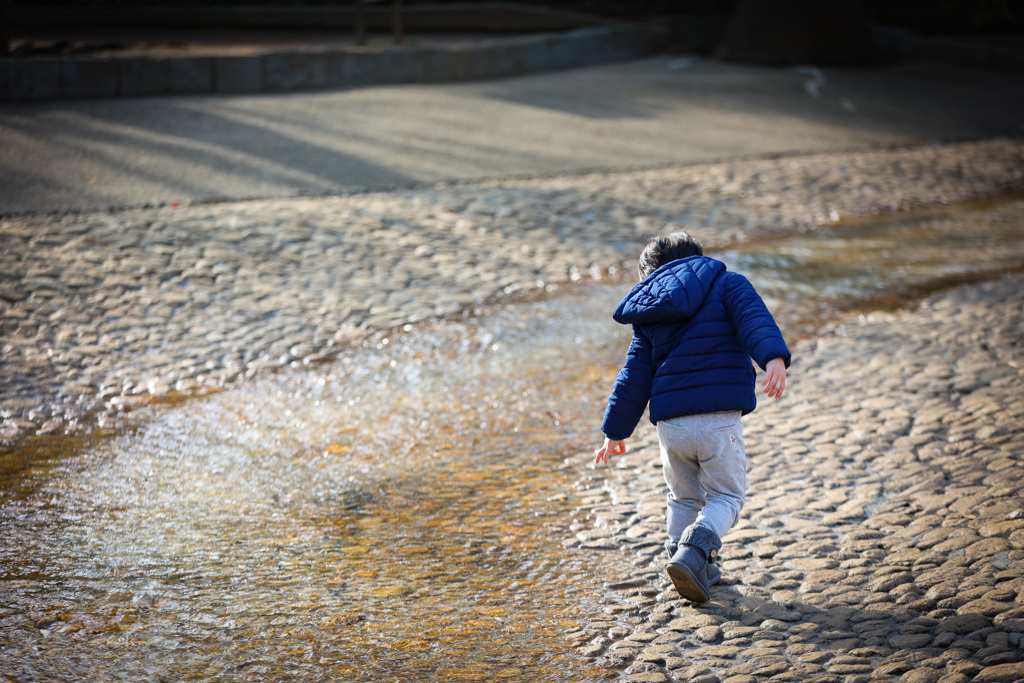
<point>664,249</point>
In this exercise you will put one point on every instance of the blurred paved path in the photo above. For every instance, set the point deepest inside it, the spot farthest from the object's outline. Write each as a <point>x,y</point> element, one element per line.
<point>98,154</point>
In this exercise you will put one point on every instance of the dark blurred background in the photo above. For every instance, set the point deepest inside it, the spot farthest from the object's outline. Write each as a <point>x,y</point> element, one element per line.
<point>752,31</point>
<point>929,16</point>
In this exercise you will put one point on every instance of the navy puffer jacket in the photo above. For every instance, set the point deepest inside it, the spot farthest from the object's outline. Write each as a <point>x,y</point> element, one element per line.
<point>695,328</point>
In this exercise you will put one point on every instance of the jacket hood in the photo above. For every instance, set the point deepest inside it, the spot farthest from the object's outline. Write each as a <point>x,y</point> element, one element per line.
<point>674,291</point>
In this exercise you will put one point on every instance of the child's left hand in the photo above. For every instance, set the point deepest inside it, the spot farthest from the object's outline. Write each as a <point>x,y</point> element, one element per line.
<point>610,447</point>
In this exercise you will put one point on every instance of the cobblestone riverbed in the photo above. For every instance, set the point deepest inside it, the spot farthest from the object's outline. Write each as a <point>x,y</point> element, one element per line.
<point>882,538</point>
<point>103,311</point>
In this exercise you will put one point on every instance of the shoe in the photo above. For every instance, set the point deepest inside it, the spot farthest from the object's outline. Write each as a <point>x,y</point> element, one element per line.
<point>692,567</point>
<point>688,570</point>
<point>714,571</point>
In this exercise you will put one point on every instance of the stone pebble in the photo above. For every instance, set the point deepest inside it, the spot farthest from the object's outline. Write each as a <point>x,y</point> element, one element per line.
<point>890,505</point>
<point>100,312</point>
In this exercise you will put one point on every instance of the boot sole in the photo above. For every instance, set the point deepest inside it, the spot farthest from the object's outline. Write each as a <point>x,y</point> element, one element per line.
<point>686,584</point>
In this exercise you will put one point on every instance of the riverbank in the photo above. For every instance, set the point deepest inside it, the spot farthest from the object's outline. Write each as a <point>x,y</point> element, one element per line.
<point>883,537</point>
<point>106,311</point>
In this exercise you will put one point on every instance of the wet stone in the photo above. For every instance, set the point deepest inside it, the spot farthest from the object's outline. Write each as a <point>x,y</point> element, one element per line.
<point>922,675</point>
<point>1011,620</point>
<point>721,651</point>
<point>954,678</point>
<point>708,634</point>
<point>1001,673</point>
<point>985,607</point>
<point>647,677</point>
<point>695,673</point>
<point>694,622</point>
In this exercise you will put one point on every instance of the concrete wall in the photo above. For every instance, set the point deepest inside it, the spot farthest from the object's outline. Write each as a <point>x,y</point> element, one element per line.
<point>485,16</point>
<point>52,78</point>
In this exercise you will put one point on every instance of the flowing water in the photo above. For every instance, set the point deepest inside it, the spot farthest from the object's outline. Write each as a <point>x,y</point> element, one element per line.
<point>882,263</point>
<point>397,514</point>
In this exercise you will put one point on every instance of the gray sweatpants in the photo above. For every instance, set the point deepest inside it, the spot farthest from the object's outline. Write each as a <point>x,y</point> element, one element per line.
<point>705,468</point>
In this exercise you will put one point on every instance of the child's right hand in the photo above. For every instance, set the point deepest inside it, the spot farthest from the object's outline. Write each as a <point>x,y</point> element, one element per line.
<point>610,447</point>
<point>775,378</point>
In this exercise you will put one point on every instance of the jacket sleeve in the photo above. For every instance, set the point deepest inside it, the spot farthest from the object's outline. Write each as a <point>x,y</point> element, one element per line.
<point>632,390</point>
<point>755,326</point>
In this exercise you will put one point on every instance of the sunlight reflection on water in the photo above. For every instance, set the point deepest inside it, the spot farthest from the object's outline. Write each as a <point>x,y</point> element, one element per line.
<point>399,511</point>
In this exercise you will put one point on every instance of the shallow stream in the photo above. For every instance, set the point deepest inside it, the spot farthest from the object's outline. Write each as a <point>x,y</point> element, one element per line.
<point>397,514</point>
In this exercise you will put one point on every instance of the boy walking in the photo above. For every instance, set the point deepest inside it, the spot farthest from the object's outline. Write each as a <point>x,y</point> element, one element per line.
<point>696,327</point>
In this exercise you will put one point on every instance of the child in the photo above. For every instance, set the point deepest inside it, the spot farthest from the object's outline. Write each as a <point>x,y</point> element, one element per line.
<point>695,328</point>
